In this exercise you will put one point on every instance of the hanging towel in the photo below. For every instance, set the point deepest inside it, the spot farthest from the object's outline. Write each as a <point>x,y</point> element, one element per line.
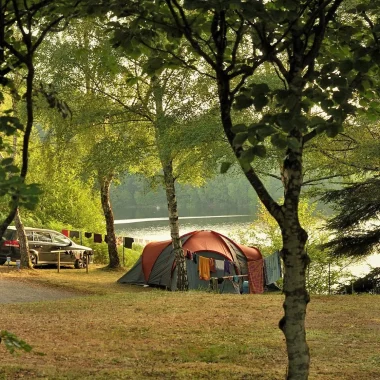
<point>87,234</point>
<point>128,242</point>
<point>65,232</point>
<point>219,266</point>
<point>272,268</point>
<point>204,268</point>
<point>227,267</point>
<point>98,238</point>
<point>212,265</point>
<point>74,234</point>
<point>255,276</point>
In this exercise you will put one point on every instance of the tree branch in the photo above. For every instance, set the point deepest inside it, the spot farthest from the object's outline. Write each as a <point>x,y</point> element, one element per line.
<point>186,29</point>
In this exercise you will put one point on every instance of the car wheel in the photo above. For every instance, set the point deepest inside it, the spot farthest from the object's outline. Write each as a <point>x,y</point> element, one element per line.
<point>33,259</point>
<point>78,264</point>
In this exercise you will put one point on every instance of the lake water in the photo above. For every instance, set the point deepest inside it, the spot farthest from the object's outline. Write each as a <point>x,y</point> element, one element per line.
<point>155,229</point>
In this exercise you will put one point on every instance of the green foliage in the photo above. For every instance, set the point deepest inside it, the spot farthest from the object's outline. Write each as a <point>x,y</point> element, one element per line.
<point>266,234</point>
<point>13,343</point>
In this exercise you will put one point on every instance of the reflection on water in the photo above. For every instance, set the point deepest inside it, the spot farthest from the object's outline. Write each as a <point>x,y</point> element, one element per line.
<point>159,229</point>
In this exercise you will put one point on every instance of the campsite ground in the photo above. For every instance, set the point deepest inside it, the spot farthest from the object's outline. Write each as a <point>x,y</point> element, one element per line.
<point>112,331</point>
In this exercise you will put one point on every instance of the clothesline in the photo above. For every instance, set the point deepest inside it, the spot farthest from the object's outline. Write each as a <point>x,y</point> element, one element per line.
<point>99,238</point>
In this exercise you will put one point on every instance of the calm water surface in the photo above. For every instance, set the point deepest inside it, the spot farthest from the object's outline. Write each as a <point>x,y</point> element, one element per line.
<point>158,228</point>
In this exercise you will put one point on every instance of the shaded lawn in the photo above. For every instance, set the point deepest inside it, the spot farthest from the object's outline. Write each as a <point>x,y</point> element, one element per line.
<point>123,332</point>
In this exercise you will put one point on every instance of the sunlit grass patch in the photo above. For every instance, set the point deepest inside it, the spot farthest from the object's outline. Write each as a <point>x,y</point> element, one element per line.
<point>113,331</point>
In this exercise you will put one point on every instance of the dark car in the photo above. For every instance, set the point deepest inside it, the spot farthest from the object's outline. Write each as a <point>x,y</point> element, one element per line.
<point>42,244</point>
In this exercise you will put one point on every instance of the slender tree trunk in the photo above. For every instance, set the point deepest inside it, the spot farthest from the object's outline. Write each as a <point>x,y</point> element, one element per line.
<point>296,260</point>
<point>169,179</point>
<point>182,280</point>
<point>296,300</point>
<point>294,240</point>
<point>24,246</point>
<point>105,184</point>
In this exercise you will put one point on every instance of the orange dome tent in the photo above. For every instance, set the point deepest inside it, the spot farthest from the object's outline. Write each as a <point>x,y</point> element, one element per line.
<point>156,266</point>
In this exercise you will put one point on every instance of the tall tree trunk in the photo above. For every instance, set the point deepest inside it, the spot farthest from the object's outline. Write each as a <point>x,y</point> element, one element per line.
<point>169,180</point>
<point>294,240</point>
<point>296,260</point>
<point>296,299</point>
<point>182,280</point>
<point>105,184</point>
<point>24,246</point>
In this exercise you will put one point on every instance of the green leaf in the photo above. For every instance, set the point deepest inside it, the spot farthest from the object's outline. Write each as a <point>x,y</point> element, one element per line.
<point>346,66</point>
<point>285,121</point>
<point>248,155</point>
<point>333,129</point>
<point>132,81</point>
<point>290,101</point>
<point>326,104</point>
<point>259,89</point>
<point>279,140</point>
<point>260,101</point>
<point>239,128</point>
<point>252,139</point>
<point>242,101</point>
<point>259,150</point>
<point>153,65</point>
<point>316,120</point>
<point>362,65</point>
<point>7,161</point>
<point>224,167</point>
<point>340,96</point>
<point>240,139</point>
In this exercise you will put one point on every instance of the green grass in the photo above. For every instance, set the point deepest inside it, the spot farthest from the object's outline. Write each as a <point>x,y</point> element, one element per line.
<point>114,331</point>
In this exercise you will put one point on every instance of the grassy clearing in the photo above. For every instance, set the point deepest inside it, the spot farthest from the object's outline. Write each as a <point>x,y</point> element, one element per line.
<point>119,332</point>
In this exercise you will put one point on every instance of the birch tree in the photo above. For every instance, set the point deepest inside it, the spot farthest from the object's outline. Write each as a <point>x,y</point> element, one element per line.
<point>308,45</point>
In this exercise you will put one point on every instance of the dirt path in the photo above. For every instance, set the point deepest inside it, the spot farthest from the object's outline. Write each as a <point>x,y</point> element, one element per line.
<point>13,291</point>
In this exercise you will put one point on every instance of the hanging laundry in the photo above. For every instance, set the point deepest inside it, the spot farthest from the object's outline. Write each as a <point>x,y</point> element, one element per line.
<point>128,242</point>
<point>236,286</point>
<point>219,266</point>
<point>212,265</point>
<point>88,234</point>
<point>74,234</point>
<point>256,276</point>
<point>272,268</point>
<point>204,268</point>
<point>214,285</point>
<point>98,238</point>
<point>65,232</point>
<point>227,266</point>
